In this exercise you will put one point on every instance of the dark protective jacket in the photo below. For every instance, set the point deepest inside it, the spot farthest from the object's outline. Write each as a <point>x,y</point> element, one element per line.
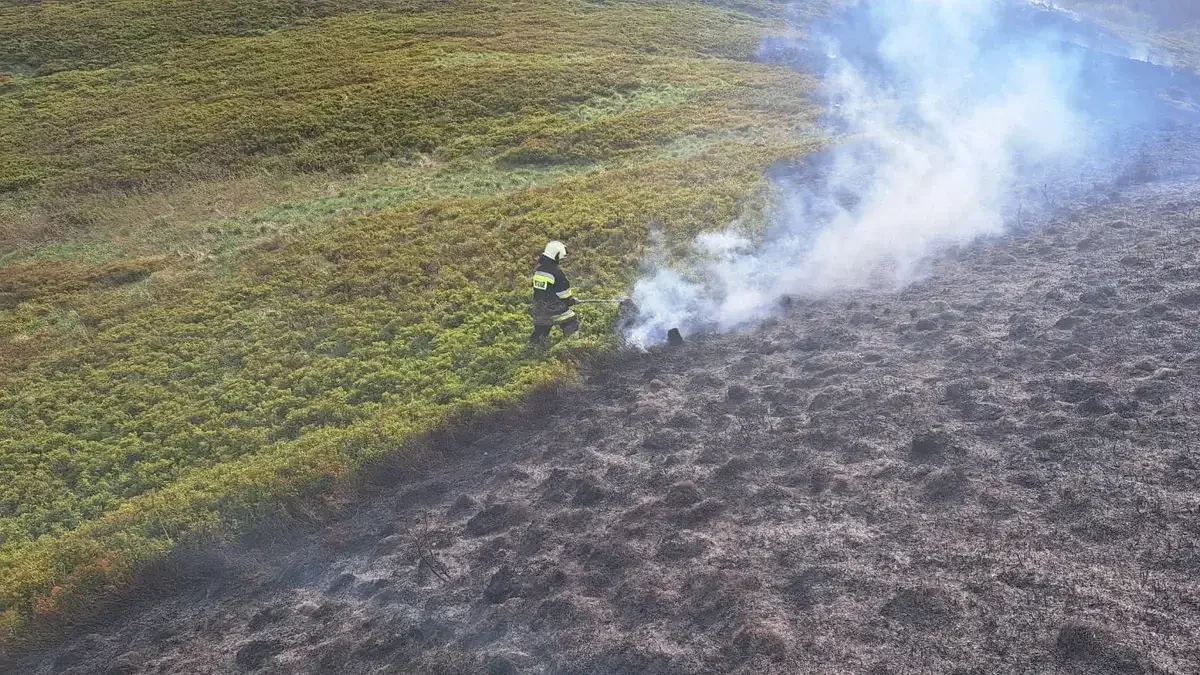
<point>552,294</point>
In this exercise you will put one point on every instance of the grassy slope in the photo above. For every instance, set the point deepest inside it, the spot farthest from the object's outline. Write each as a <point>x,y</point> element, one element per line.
<point>1170,26</point>
<point>245,246</point>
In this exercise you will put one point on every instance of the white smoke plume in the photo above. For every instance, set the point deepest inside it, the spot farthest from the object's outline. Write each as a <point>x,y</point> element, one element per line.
<point>942,109</point>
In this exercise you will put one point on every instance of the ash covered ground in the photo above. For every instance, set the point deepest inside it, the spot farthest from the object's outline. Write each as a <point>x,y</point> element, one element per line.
<point>993,471</point>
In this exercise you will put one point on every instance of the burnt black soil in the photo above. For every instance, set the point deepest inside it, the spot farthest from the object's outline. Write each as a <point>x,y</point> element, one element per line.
<point>993,471</point>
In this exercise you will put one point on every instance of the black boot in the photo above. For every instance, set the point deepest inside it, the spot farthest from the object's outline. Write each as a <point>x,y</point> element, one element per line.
<point>540,339</point>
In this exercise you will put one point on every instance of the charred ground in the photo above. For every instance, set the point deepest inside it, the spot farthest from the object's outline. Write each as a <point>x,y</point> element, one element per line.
<point>993,471</point>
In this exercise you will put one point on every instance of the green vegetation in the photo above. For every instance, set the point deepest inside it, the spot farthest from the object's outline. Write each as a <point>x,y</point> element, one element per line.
<point>246,247</point>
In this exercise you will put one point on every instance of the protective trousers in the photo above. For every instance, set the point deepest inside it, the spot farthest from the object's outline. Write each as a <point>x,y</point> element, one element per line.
<point>541,333</point>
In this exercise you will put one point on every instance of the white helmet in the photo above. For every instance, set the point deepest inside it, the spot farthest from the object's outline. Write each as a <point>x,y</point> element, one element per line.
<point>556,251</point>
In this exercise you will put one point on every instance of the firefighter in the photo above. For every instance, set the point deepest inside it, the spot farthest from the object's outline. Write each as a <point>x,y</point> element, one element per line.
<point>552,297</point>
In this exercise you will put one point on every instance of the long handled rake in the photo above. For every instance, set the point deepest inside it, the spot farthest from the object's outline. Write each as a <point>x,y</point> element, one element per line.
<point>603,301</point>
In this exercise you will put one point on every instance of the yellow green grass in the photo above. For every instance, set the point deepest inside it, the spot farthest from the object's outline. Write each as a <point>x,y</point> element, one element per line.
<point>246,247</point>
